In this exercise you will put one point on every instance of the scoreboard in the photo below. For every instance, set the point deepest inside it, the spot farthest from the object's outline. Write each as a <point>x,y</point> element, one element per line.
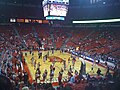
<point>66,2</point>
<point>55,8</point>
<point>58,10</point>
<point>46,10</point>
<point>28,20</point>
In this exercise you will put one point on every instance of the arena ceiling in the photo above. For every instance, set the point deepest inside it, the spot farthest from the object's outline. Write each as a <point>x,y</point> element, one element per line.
<point>72,2</point>
<point>82,9</point>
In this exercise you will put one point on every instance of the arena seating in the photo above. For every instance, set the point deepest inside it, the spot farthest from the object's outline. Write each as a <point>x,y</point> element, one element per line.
<point>13,39</point>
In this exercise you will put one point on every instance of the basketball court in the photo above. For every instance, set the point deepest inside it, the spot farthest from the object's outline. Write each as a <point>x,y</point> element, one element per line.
<point>58,64</point>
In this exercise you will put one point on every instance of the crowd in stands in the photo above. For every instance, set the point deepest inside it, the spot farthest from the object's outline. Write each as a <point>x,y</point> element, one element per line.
<point>101,44</point>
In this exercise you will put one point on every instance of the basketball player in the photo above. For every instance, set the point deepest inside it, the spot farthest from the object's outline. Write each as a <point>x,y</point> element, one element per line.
<point>92,68</point>
<point>32,60</point>
<point>35,62</point>
<point>61,71</point>
<point>68,60</point>
<point>73,62</point>
<point>44,59</point>
<point>54,60</point>
<point>51,75</point>
<point>59,78</point>
<point>47,54</point>
<point>32,53</point>
<point>25,54</point>
<point>39,54</point>
<point>69,75</point>
<point>70,69</point>
<point>45,75</point>
<point>38,65</point>
<point>37,74</point>
<point>64,64</point>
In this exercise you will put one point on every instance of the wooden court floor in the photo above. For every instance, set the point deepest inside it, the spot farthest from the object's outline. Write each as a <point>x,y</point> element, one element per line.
<point>58,65</point>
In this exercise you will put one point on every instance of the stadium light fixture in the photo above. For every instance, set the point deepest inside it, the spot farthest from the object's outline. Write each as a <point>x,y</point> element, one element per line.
<point>97,21</point>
